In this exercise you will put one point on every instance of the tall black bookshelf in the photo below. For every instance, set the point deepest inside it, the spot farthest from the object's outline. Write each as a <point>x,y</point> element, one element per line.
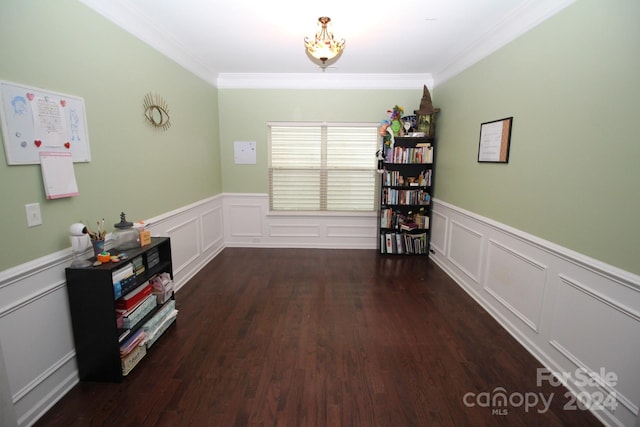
<point>406,193</point>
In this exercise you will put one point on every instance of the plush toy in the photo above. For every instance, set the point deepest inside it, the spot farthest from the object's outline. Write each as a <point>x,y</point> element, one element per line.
<point>394,122</point>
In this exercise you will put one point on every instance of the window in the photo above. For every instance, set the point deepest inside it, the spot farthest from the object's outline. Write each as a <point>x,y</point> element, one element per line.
<point>322,167</point>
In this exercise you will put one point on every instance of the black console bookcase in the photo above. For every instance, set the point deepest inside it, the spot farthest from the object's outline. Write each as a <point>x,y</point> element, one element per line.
<point>92,302</point>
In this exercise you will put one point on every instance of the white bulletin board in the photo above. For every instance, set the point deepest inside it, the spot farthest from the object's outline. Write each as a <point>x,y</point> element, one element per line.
<point>495,140</point>
<point>244,152</point>
<point>35,120</point>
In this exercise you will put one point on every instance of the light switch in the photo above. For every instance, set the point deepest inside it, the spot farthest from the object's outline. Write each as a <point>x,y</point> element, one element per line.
<point>33,214</point>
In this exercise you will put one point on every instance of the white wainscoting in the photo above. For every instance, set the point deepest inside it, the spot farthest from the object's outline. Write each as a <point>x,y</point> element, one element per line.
<point>7,412</point>
<point>35,325</point>
<point>570,311</point>
<point>250,224</point>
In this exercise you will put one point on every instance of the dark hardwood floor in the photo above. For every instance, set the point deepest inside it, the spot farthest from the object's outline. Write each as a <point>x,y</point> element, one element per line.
<point>307,337</point>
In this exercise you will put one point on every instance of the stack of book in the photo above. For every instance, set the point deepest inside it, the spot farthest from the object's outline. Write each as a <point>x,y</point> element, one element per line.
<point>159,323</point>
<point>133,298</point>
<point>137,313</point>
<point>133,307</point>
<point>132,351</point>
<point>414,222</point>
<point>153,258</point>
<point>124,280</point>
<point>408,226</point>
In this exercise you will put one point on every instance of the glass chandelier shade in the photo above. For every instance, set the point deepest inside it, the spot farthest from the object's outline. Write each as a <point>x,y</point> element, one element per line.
<point>323,47</point>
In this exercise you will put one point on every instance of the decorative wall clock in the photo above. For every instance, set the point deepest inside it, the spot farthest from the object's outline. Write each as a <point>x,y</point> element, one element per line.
<point>156,111</point>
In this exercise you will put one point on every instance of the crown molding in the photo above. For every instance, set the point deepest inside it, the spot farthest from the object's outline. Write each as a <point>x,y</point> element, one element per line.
<point>510,28</point>
<point>526,17</point>
<point>323,81</point>
<point>135,23</point>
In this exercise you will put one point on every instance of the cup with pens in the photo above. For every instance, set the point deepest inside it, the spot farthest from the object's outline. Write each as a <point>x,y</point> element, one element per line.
<point>97,238</point>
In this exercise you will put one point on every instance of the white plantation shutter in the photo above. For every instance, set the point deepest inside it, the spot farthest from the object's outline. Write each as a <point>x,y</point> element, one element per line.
<point>322,167</point>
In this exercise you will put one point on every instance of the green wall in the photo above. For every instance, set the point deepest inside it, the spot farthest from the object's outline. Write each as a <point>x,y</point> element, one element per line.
<point>63,46</point>
<point>571,85</point>
<point>244,114</point>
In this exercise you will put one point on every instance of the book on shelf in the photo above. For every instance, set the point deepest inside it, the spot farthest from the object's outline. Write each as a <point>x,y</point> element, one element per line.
<point>393,178</point>
<point>123,334</point>
<point>399,247</point>
<point>389,242</point>
<point>132,359</point>
<point>122,273</point>
<point>124,279</point>
<point>153,258</point>
<point>160,321</point>
<point>421,153</point>
<point>406,222</point>
<point>138,265</point>
<point>137,313</point>
<point>425,178</point>
<point>427,154</point>
<point>422,221</point>
<point>125,285</point>
<point>392,196</point>
<point>404,243</point>
<point>408,226</point>
<point>134,297</point>
<point>131,343</point>
<point>386,218</point>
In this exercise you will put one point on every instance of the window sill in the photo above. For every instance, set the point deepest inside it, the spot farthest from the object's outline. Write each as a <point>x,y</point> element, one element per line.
<point>331,214</point>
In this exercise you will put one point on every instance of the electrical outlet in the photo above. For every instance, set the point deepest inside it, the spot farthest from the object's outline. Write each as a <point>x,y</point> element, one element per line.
<point>33,214</point>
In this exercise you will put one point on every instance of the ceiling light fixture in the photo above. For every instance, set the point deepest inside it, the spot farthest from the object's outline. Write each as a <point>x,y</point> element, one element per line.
<point>324,47</point>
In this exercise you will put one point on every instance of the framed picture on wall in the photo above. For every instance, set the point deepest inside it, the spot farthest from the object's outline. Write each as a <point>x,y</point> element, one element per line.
<point>495,140</point>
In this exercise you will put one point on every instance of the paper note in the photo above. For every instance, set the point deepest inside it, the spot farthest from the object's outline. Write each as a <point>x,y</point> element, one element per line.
<point>57,175</point>
<point>490,142</point>
<point>49,121</point>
